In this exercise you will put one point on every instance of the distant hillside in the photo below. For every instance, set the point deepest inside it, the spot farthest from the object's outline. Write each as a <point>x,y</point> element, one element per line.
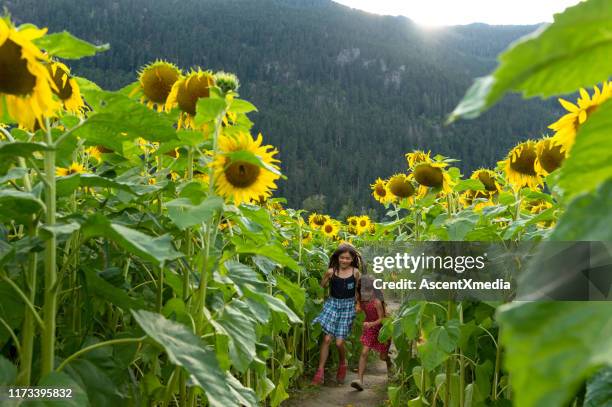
<point>342,93</point>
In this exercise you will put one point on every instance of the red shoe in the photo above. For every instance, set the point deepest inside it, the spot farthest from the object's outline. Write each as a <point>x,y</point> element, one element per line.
<point>317,380</point>
<point>341,372</point>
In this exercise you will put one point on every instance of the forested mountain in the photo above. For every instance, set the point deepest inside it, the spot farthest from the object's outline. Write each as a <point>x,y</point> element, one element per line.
<point>342,93</point>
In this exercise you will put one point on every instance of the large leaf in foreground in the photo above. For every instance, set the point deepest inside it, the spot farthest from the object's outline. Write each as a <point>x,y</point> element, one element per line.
<point>185,349</point>
<point>556,345</point>
<point>65,45</point>
<point>60,380</point>
<point>572,52</point>
<point>589,162</point>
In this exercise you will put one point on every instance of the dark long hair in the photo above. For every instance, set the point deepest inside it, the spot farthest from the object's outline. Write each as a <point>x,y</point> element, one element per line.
<point>358,263</point>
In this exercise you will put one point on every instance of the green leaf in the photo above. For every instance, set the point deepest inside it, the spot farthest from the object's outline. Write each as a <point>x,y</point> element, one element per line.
<point>13,173</point>
<point>185,214</point>
<point>187,350</point>
<point>469,184</point>
<point>295,293</point>
<point>66,185</point>
<point>65,45</point>
<point>275,253</point>
<point>157,250</point>
<point>587,217</point>
<point>439,344</point>
<point>100,389</point>
<point>590,161</point>
<point>244,276</point>
<point>8,372</point>
<point>107,292</point>
<point>118,118</point>
<point>208,109</point>
<point>557,345</point>
<point>241,331</point>
<point>22,148</point>
<point>251,158</point>
<point>59,229</point>
<point>559,58</point>
<point>599,389</point>
<point>242,106</point>
<point>60,380</point>
<point>18,205</point>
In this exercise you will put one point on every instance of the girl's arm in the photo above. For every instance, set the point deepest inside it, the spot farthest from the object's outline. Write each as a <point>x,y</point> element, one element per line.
<point>379,311</point>
<point>326,277</point>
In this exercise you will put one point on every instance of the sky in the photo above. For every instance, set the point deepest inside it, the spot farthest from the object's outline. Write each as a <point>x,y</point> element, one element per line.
<point>453,12</point>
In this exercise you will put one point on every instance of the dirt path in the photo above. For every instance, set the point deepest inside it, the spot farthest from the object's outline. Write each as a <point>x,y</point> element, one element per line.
<point>343,395</point>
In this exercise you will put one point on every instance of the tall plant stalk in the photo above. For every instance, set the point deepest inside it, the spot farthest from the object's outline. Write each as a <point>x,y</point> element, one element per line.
<point>50,293</point>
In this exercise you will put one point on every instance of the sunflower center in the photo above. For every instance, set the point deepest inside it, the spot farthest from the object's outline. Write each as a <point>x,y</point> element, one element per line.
<point>15,78</point>
<point>60,78</point>
<point>380,190</point>
<point>363,223</point>
<point>194,88</point>
<point>329,228</point>
<point>353,222</point>
<point>401,188</point>
<point>319,220</point>
<point>428,176</point>
<point>552,157</point>
<point>157,82</point>
<point>524,163</point>
<point>242,174</point>
<point>487,181</point>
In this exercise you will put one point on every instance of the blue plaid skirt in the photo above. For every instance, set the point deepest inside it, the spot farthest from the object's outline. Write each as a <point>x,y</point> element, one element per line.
<point>337,317</point>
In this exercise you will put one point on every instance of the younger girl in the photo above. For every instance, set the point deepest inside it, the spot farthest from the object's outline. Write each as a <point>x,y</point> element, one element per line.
<point>338,313</point>
<point>371,303</point>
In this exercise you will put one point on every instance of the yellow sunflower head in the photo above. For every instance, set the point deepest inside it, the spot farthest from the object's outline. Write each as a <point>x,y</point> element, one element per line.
<point>380,192</point>
<point>316,220</point>
<point>94,152</point>
<point>363,224</point>
<point>241,181</point>
<point>74,168</point>
<point>416,157</point>
<point>66,88</point>
<point>156,81</point>
<point>432,175</point>
<point>330,228</point>
<point>26,87</point>
<point>186,91</point>
<point>567,126</point>
<point>520,166</point>
<point>400,186</point>
<point>487,177</point>
<point>352,221</point>
<point>549,156</point>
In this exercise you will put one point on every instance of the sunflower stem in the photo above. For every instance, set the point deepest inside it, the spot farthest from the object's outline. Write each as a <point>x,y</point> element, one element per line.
<point>50,291</point>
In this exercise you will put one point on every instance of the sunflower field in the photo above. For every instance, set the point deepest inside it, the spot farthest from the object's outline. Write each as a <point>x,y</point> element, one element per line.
<point>145,261</point>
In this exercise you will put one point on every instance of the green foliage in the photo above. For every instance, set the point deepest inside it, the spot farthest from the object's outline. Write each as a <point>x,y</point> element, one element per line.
<point>65,45</point>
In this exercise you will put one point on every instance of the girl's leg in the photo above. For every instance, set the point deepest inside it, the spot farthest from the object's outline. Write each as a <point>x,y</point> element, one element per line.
<point>363,360</point>
<point>341,351</point>
<point>324,351</point>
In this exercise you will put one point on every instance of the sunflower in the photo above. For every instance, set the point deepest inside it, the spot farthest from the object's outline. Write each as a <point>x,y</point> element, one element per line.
<point>156,81</point>
<point>185,93</point>
<point>432,175</point>
<point>26,87</point>
<point>549,156</point>
<point>520,166</point>
<point>316,220</point>
<point>416,157</point>
<point>242,181</point>
<point>567,126</point>
<point>330,228</point>
<point>226,81</point>
<point>487,177</point>
<point>372,229</point>
<point>94,152</point>
<point>380,192</point>
<point>363,224</point>
<point>352,221</point>
<point>74,168</point>
<point>400,186</point>
<point>66,88</point>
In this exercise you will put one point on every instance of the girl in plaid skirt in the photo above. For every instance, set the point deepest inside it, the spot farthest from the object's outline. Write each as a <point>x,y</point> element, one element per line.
<point>338,313</point>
